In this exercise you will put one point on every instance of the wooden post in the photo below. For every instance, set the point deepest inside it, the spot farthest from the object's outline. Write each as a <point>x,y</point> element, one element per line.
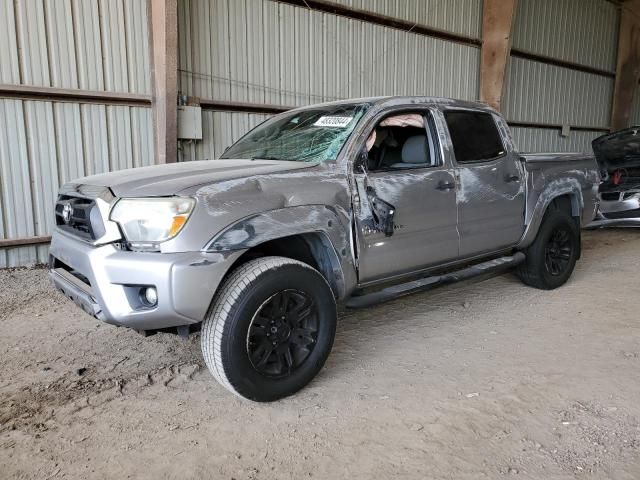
<point>497,21</point>
<point>628,67</point>
<point>163,33</point>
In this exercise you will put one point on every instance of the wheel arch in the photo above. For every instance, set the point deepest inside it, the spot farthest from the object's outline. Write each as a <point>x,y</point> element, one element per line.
<point>311,248</point>
<point>566,196</point>
<point>316,235</point>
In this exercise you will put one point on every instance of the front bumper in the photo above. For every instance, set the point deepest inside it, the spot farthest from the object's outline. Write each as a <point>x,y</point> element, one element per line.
<point>104,281</point>
<point>624,212</point>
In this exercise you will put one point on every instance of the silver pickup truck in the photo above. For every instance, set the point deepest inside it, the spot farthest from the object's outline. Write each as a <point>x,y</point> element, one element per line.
<point>352,202</point>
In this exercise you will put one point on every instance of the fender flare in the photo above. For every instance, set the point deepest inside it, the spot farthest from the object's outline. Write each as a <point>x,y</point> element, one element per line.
<point>567,187</point>
<point>329,224</point>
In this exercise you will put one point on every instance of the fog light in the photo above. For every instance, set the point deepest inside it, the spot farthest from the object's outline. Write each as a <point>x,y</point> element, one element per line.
<point>149,296</point>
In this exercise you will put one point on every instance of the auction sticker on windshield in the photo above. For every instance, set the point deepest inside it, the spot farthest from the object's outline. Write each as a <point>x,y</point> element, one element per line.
<point>332,121</point>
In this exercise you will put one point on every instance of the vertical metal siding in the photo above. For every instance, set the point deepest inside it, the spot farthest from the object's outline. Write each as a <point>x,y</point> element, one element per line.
<point>32,43</point>
<point>114,51</point>
<point>43,165</point>
<point>538,92</point>
<point>219,130</point>
<point>263,51</point>
<point>44,144</point>
<point>9,67</point>
<point>88,44</point>
<point>15,182</point>
<point>546,140</point>
<point>142,137</point>
<point>580,31</point>
<point>458,16</point>
<point>635,110</point>
<point>60,42</point>
<point>88,47</point>
<point>137,46</point>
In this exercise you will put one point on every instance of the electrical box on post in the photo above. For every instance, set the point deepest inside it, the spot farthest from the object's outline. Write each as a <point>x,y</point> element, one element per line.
<point>189,123</point>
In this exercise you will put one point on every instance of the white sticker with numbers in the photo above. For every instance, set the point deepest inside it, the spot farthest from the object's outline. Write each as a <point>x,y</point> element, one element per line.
<point>331,121</point>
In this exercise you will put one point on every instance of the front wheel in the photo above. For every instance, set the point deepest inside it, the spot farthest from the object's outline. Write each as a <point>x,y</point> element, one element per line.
<point>552,256</point>
<point>270,328</point>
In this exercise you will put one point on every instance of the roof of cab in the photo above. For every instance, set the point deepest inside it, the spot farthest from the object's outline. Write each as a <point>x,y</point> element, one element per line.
<point>408,100</point>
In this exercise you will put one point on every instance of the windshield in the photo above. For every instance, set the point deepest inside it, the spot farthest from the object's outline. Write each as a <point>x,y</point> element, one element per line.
<point>313,135</point>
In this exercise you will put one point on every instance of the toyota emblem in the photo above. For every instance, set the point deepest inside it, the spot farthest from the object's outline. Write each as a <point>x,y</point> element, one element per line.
<point>67,211</point>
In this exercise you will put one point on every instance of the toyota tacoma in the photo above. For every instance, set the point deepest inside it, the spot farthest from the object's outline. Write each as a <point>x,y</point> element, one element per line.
<point>345,203</point>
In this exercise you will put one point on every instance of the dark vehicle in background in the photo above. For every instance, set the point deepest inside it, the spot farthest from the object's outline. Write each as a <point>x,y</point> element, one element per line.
<point>618,157</point>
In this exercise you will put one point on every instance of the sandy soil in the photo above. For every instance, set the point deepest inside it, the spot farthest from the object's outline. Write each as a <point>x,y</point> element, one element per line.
<point>478,380</point>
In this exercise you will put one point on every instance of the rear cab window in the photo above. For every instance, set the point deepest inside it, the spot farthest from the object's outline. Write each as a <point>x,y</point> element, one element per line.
<point>474,135</point>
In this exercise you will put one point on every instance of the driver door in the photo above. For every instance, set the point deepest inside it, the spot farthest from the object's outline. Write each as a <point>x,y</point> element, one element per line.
<point>419,189</point>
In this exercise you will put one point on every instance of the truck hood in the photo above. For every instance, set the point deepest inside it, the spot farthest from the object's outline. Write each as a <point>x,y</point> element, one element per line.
<point>173,178</point>
<point>619,149</point>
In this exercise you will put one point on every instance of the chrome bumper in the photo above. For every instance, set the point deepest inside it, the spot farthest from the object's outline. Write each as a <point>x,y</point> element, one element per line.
<point>105,282</point>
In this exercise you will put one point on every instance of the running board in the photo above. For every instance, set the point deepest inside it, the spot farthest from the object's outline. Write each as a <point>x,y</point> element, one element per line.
<point>495,266</point>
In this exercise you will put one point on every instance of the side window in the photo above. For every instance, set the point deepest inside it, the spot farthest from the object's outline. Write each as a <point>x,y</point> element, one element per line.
<point>402,140</point>
<point>474,135</point>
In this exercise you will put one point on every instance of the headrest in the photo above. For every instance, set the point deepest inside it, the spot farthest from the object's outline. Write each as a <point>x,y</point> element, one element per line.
<point>415,150</point>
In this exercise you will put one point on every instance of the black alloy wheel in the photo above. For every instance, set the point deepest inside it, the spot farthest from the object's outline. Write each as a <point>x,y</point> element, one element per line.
<point>552,256</point>
<point>558,251</point>
<point>282,333</point>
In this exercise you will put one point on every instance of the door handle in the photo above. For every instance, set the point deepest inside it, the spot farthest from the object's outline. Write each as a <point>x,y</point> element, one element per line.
<point>511,178</point>
<point>446,186</point>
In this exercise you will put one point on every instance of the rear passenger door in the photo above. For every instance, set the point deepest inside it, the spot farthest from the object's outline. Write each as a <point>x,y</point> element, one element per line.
<point>490,183</point>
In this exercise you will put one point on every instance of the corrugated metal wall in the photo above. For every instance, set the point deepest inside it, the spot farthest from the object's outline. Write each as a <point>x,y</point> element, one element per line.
<point>80,44</point>
<point>542,93</point>
<point>635,113</point>
<point>219,130</point>
<point>463,17</point>
<point>261,51</point>
<point>578,31</point>
<point>547,140</point>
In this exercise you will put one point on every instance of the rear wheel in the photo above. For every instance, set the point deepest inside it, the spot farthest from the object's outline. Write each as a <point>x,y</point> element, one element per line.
<point>270,328</point>
<point>552,256</point>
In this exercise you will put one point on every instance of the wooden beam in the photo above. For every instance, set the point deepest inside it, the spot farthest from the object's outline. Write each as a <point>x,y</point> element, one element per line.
<point>536,57</point>
<point>334,8</point>
<point>224,106</point>
<point>163,32</point>
<point>24,241</point>
<point>497,20</point>
<point>73,95</point>
<point>628,66</point>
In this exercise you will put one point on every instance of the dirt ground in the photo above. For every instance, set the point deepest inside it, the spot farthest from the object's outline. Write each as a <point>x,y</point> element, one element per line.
<point>478,380</point>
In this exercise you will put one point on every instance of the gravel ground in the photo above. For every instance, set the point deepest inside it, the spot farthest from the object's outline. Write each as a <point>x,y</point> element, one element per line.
<point>477,380</point>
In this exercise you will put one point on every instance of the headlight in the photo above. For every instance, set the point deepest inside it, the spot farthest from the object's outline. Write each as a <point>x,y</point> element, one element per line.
<point>151,219</point>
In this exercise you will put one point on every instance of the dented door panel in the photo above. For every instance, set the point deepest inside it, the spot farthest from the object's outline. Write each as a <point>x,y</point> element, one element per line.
<point>425,222</point>
<point>491,201</point>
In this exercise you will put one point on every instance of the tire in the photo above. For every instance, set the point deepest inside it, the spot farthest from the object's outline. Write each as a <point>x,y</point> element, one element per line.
<point>539,269</point>
<point>269,301</point>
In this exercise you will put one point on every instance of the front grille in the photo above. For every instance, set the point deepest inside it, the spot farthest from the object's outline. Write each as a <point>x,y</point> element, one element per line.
<point>79,216</point>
